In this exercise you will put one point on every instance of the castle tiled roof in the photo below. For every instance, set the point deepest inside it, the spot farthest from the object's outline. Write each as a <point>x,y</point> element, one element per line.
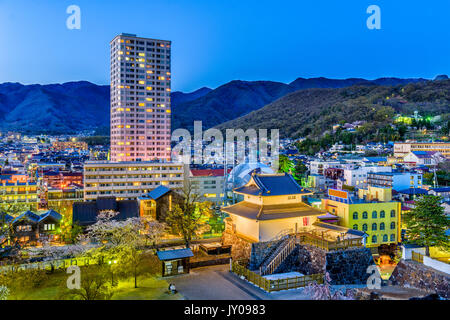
<point>271,212</point>
<point>272,185</point>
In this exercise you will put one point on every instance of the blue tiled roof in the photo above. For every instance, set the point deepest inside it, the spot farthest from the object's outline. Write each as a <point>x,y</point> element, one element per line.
<point>50,213</point>
<point>413,191</point>
<point>157,193</point>
<point>174,254</point>
<point>4,217</point>
<point>27,215</point>
<point>442,189</point>
<point>273,185</point>
<point>376,159</point>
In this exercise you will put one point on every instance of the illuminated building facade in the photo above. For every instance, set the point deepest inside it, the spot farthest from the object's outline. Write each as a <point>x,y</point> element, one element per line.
<point>140,98</point>
<point>129,180</point>
<point>401,149</point>
<point>372,212</point>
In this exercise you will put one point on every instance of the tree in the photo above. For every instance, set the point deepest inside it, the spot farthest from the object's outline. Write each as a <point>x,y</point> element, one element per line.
<point>123,241</point>
<point>325,292</point>
<point>284,164</point>
<point>4,293</point>
<point>300,170</point>
<point>427,224</point>
<point>190,217</point>
<point>14,209</point>
<point>94,285</point>
<point>70,230</point>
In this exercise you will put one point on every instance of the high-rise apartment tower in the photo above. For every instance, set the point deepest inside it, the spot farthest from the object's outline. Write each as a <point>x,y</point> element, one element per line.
<point>140,99</point>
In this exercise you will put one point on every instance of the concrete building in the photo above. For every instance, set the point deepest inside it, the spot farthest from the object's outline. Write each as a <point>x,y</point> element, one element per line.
<point>12,193</point>
<point>140,98</point>
<point>401,149</point>
<point>129,180</point>
<point>208,183</point>
<point>358,177</point>
<point>395,180</point>
<point>372,211</point>
<point>424,158</point>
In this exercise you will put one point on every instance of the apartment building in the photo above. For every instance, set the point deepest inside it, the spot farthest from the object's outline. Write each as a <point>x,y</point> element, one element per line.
<point>140,98</point>
<point>16,192</point>
<point>401,149</point>
<point>129,180</point>
<point>395,180</point>
<point>358,177</point>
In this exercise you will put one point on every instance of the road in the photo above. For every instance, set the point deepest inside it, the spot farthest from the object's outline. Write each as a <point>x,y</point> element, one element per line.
<point>217,283</point>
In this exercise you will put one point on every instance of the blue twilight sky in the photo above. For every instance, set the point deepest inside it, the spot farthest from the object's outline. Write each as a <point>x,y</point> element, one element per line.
<point>215,41</point>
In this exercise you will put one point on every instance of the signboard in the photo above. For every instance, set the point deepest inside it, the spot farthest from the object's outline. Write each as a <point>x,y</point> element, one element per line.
<point>338,193</point>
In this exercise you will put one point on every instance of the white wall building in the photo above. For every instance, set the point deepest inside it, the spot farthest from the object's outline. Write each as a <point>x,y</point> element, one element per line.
<point>129,180</point>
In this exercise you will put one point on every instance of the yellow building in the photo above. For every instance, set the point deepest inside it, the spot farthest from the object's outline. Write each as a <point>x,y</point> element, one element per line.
<point>401,149</point>
<point>372,211</point>
<point>12,193</point>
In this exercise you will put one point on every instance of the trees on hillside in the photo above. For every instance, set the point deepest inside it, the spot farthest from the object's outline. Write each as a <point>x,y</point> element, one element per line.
<point>427,224</point>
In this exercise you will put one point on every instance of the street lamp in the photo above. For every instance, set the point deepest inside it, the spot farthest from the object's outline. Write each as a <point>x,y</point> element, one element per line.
<point>112,273</point>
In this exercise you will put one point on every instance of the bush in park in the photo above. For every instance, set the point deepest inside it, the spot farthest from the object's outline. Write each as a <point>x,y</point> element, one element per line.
<point>4,293</point>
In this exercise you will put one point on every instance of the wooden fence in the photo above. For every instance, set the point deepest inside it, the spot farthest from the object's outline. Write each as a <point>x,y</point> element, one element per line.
<point>47,265</point>
<point>417,256</point>
<point>278,284</point>
<point>328,245</point>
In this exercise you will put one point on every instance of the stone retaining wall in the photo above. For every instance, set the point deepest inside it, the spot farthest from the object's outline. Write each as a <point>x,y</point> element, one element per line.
<point>344,266</point>
<point>416,275</point>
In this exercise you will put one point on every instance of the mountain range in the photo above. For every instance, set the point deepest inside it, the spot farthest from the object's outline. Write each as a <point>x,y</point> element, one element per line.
<point>75,106</point>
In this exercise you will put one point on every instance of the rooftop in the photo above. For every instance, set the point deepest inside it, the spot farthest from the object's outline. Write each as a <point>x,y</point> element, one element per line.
<point>272,185</point>
<point>271,212</point>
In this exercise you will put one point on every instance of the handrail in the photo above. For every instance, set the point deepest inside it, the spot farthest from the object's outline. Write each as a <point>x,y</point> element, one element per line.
<point>278,256</point>
<point>277,284</point>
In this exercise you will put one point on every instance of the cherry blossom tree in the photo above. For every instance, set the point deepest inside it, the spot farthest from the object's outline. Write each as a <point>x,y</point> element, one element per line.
<point>325,292</point>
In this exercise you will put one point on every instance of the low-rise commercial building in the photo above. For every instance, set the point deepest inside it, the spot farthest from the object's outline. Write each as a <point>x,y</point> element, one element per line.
<point>372,211</point>
<point>208,183</point>
<point>395,180</point>
<point>401,149</point>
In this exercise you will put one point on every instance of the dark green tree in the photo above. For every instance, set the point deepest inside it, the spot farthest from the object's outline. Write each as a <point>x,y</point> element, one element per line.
<point>284,164</point>
<point>427,224</point>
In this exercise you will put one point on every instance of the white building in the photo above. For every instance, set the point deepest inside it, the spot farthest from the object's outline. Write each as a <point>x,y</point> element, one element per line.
<point>129,180</point>
<point>209,184</point>
<point>426,158</point>
<point>140,98</point>
<point>358,177</point>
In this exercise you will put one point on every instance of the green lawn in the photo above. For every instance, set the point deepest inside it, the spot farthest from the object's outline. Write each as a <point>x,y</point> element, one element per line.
<point>150,288</point>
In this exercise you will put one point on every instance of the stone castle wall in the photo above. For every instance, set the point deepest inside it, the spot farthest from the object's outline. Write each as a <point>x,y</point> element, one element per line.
<point>344,266</point>
<point>349,266</point>
<point>241,248</point>
<point>416,275</point>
